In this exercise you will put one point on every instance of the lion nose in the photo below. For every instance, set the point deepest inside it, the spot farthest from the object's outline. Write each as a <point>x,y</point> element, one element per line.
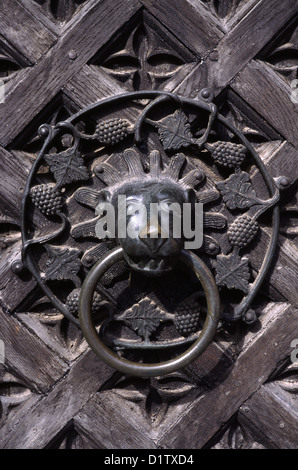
<point>153,236</point>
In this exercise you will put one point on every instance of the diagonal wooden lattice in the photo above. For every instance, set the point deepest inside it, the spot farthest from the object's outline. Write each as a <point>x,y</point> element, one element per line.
<point>56,393</point>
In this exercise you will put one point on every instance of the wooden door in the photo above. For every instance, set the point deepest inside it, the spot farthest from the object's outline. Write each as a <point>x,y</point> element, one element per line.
<point>58,57</point>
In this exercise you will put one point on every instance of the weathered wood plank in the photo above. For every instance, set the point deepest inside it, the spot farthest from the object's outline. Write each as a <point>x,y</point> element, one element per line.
<point>38,11</point>
<point>28,356</point>
<point>56,409</point>
<point>280,161</point>
<point>212,364</point>
<point>68,344</point>
<point>90,85</point>
<point>190,84</point>
<point>190,73</point>
<point>207,370</point>
<point>166,38</point>
<point>15,168</point>
<point>195,26</point>
<point>108,424</point>
<point>283,162</point>
<point>242,10</point>
<point>24,30</point>
<point>13,289</point>
<point>14,171</point>
<point>15,406</point>
<point>57,67</point>
<point>50,20</point>
<point>272,413</point>
<point>285,273</point>
<point>244,41</point>
<point>263,349</point>
<point>275,106</point>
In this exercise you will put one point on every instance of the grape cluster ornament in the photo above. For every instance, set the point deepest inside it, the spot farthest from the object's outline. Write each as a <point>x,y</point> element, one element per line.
<point>112,131</point>
<point>187,317</point>
<point>47,198</point>
<point>227,154</point>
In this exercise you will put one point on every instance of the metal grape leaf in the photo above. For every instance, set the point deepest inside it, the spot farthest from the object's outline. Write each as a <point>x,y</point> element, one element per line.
<point>237,191</point>
<point>67,166</point>
<point>63,264</point>
<point>174,131</point>
<point>232,272</point>
<point>144,318</point>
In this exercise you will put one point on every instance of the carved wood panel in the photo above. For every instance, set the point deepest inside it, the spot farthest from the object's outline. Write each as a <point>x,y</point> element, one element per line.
<point>241,392</point>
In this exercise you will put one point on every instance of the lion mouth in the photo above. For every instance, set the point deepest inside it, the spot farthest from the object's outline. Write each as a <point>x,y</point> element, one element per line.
<point>150,266</point>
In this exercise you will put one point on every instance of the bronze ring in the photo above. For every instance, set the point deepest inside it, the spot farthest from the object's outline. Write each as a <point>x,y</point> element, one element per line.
<point>156,369</point>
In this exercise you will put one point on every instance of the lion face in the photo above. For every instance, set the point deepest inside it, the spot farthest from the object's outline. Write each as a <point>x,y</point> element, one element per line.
<point>150,244</point>
<point>152,211</point>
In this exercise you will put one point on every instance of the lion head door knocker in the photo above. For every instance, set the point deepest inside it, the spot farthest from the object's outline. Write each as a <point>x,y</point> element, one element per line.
<point>139,229</point>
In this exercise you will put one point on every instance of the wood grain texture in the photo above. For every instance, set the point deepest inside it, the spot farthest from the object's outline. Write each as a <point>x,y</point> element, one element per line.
<point>21,403</point>
<point>263,350</point>
<point>282,274</point>
<point>14,172</point>
<point>90,85</point>
<point>28,356</point>
<point>192,24</point>
<point>242,10</point>
<point>191,84</point>
<point>110,424</point>
<point>190,73</point>
<point>50,19</point>
<point>56,409</point>
<point>66,340</point>
<point>272,414</point>
<point>246,40</point>
<point>280,159</point>
<point>13,289</point>
<point>25,31</point>
<point>276,105</point>
<point>57,68</point>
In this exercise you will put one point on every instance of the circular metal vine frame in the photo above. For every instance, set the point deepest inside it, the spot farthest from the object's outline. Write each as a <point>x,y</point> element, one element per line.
<point>159,97</point>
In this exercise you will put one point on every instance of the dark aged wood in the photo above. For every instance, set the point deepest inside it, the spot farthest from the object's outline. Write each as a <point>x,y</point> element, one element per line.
<point>276,109</point>
<point>277,416</point>
<point>57,67</point>
<point>19,26</point>
<point>242,392</point>
<point>249,38</point>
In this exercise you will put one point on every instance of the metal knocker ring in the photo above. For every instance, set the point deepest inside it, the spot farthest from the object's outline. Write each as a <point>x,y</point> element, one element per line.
<point>141,369</point>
